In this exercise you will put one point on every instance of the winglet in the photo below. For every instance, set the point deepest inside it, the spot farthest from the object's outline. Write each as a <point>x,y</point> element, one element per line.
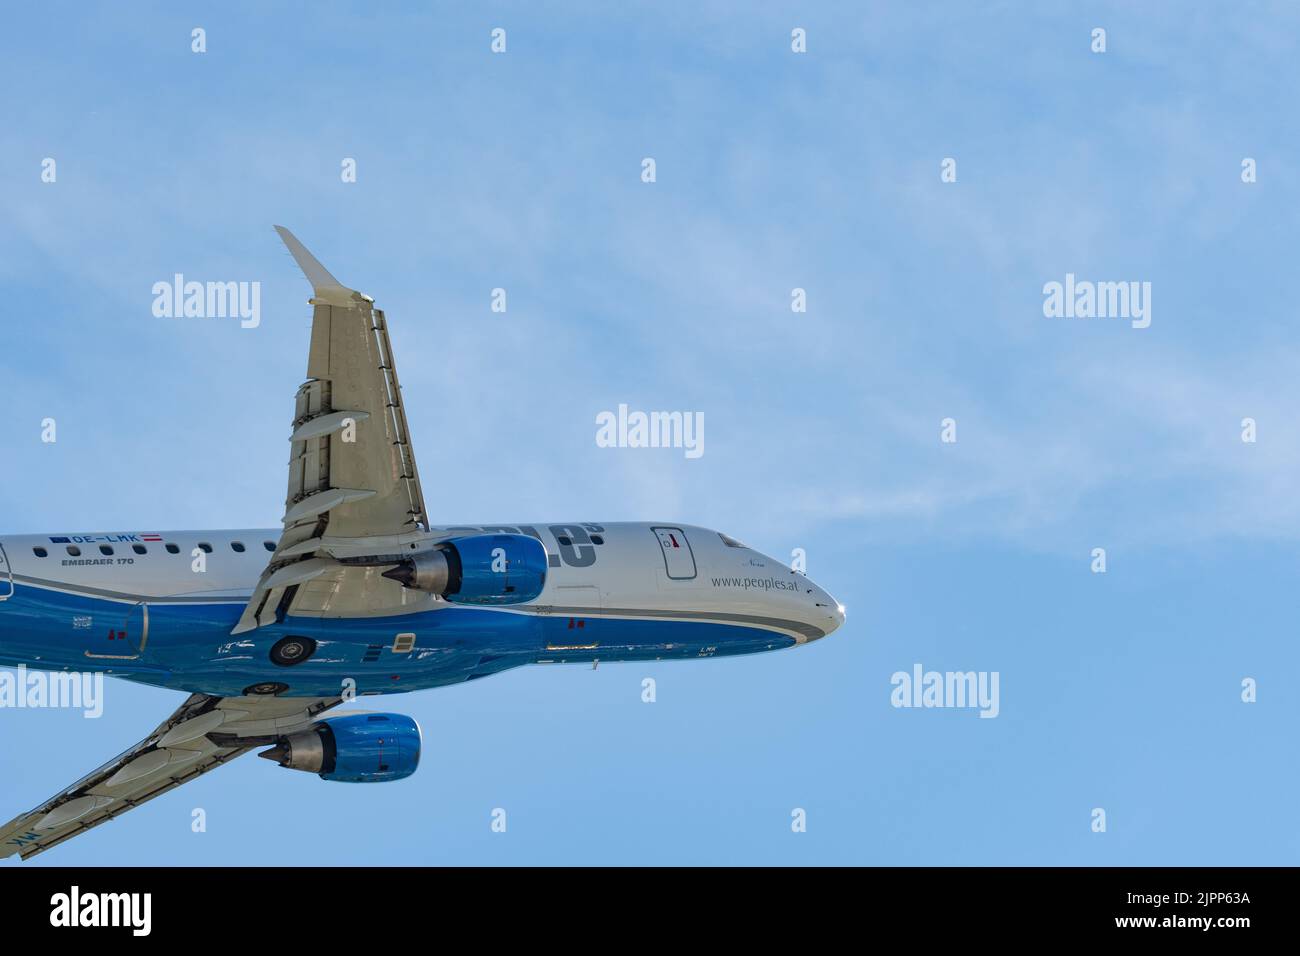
<point>326,288</point>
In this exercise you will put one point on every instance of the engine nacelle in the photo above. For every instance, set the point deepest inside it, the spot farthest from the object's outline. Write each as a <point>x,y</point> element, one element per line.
<point>478,569</point>
<point>356,748</point>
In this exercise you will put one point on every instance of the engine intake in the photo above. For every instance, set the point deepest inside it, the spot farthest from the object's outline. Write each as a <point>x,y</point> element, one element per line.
<point>355,748</point>
<point>491,569</point>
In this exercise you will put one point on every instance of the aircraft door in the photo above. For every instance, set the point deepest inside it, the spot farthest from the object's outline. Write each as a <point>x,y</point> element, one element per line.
<point>124,641</point>
<point>679,559</point>
<point>6,577</point>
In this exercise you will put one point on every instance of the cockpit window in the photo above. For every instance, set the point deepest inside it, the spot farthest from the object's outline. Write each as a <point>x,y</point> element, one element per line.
<point>731,542</point>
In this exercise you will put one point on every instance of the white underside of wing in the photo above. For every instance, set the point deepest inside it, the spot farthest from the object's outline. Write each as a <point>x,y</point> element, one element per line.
<point>179,750</point>
<point>352,472</point>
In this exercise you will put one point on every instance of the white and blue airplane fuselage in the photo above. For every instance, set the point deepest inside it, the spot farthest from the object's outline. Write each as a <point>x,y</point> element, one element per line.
<point>159,608</point>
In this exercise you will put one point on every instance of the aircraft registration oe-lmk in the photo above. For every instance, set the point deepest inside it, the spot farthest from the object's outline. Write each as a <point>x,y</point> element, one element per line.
<point>358,594</point>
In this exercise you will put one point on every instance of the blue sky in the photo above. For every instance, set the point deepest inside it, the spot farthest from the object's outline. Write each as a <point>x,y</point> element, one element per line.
<point>774,171</point>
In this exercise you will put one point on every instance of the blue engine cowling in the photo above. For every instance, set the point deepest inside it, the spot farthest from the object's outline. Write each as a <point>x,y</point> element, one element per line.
<point>498,569</point>
<point>356,748</point>
<point>491,569</point>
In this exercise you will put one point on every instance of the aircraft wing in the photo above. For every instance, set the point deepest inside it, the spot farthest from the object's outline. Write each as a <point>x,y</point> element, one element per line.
<point>352,474</point>
<point>205,732</point>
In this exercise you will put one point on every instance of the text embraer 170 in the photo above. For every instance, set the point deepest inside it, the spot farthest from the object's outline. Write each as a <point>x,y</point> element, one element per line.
<point>358,593</point>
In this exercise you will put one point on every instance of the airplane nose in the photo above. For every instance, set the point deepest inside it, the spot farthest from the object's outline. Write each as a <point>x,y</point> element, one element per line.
<point>832,610</point>
<point>835,617</point>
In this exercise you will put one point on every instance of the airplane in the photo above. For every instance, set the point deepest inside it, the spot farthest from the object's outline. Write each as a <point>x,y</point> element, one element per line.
<point>358,595</point>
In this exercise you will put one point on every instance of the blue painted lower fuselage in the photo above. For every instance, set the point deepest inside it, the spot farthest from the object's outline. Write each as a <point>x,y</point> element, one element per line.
<point>189,645</point>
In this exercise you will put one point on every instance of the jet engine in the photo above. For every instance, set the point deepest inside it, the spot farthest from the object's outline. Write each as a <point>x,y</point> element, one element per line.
<point>477,569</point>
<point>355,748</point>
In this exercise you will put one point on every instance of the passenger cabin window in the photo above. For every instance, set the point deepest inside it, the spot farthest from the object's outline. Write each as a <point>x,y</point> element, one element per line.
<point>139,549</point>
<point>40,552</point>
<point>205,547</point>
<point>172,549</point>
<point>105,549</point>
<point>237,547</point>
<point>269,545</point>
<point>74,551</point>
